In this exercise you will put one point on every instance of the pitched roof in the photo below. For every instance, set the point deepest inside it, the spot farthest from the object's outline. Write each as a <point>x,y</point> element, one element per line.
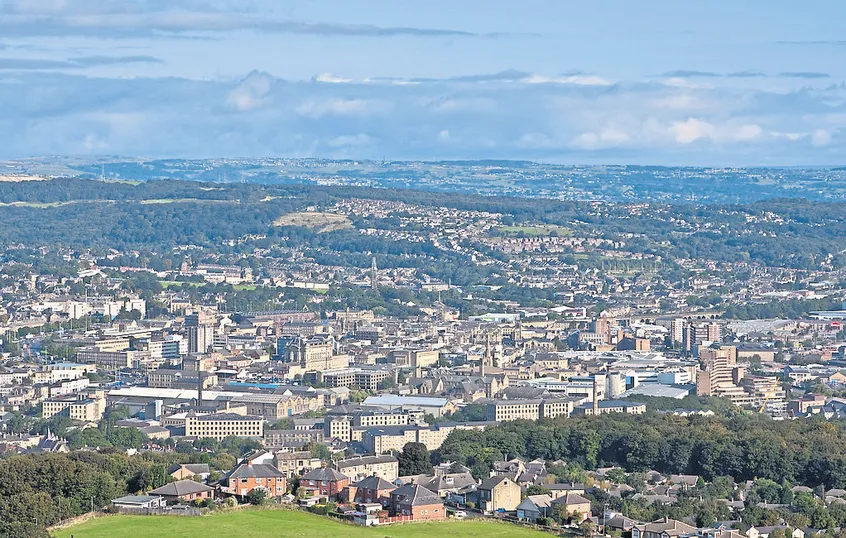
<point>571,498</point>
<point>540,501</point>
<point>196,468</point>
<point>415,495</point>
<point>493,481</point>
<point>180,488</point>
<point>374,483</point>
<point>324,473</point>
<point>256,470</point>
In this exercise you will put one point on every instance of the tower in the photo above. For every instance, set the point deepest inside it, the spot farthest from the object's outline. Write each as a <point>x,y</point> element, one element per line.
<point>595,398</point>
<point>373,273</point>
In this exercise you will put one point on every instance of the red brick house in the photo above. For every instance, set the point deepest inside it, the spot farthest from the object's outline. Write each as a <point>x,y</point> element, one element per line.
<point>418,502</point>
<point>370,490</point>
<point>184,490</point>
<point>323,482</point>
<point>246,477</point>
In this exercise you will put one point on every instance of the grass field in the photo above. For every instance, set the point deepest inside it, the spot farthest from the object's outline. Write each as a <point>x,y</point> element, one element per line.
<point>323,222</point>
<point>279,523</point>
<point>535,231</point>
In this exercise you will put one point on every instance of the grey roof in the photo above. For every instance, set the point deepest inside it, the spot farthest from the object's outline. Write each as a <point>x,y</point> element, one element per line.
<point>365,460</point>
<point>415,495</point>
<point>256,470</point>
<point>324,473</point>
<point>181,487</point>
<point>136,499</point>
<point>571,498</point>
<point>196,468</point>
<point>449,481</point>
<point>494,481</point>
<point>374,483</point>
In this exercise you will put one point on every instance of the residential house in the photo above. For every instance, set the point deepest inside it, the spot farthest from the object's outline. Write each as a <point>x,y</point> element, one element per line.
<point>534,507</point>
<point>372,489</point>
<point>385,467</point>
<point>324,482</point>
<point>246,477</point>
<point>138,502</point>
<point>498,493</point>
<point>764,532</point>
<point>184,490</point>
<point>187,471</point>
<point>663,528</point>
<point>574,506</point>
<point>418,502</point>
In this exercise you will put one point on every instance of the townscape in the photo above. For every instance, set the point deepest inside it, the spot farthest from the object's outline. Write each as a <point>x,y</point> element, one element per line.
<point>354,378</point>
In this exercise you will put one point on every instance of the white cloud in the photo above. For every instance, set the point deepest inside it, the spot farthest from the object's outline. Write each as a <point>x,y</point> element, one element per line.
<point>820,138</point>
<point>251,93</point>
<point>578,80</point>
<point>332,79</point>
<point>443,136</point>
<point>748,132</point>
<point>341,107</point>
<point>606,138</point>
<point>691,130</point>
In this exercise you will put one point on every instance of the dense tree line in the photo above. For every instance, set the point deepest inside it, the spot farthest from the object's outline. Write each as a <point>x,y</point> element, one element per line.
<point>743,447</point>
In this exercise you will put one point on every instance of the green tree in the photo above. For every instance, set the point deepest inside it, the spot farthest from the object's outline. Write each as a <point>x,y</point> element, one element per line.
<point>414,460</point>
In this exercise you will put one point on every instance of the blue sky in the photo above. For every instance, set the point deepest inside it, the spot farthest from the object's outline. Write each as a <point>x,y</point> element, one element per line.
<point>653,82</point>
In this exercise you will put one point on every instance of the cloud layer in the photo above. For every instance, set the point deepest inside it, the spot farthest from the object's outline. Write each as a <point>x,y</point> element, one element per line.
<point>567,118</point>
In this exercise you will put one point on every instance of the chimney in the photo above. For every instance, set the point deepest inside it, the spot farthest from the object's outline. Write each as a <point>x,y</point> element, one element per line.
<point>595,398</point>
<point>199,388</point>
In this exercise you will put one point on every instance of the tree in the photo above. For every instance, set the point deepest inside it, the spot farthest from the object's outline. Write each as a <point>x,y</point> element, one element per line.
<point>587,528</point>
<point>537,490</point>
<point>414,460</point>
<point>257,496</point>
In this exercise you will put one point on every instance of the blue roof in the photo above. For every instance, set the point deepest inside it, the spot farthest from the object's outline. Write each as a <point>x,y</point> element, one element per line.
<point>255,385</point>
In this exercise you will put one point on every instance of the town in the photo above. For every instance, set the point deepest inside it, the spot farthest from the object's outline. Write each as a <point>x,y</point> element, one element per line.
<point>304,374</point>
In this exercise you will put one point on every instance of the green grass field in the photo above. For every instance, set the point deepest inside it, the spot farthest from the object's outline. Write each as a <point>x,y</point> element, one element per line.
<point>276,523</point>
<point>535,231</point>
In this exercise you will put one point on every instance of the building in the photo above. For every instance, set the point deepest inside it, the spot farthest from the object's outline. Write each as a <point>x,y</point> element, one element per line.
<point>88,407</point>
<point>504,410</point>
<point>535,507</point>
<point>138,502</point>
<point>435,406</point>
<point>610,406</point>
<point>246,477</point>
<point>498,493</point>
<point>324,482</point>
<point>372,489</point>
<point>296,463</point>
<point>184,471</point>
<point>663,528</point>
<point>418,502</point>
<point>356,469</point>
<point>112,360</point>
<point>222,425</point>
<point>184,490</point>
<point>574,505</point>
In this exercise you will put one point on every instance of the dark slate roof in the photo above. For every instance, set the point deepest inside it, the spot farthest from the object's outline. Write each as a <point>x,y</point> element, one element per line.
<point>324,473</point>
<point>375,483</point>
<point>196,468</point>
<point>181,487</point>
<point>256,470</point>
<point>494,481</point>
<point>415,495</point>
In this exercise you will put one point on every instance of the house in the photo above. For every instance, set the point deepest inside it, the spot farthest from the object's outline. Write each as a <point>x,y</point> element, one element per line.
<point>560,490</point>
<point>764,532</point>
<point>663,528</point>
<point>324,482</point>
<point>573,505</point>
<point>186,471</point>
<point>138,502</point>
<point>534,507</point>
<point>385,467</point>
<point>444,484</point>
<point>184,490</point>
<point>372,489</point>
<point>246,477</point>
<point>418,502</point>
<point>619,523</point>
<point>498,493</point>
<point>684,480</point>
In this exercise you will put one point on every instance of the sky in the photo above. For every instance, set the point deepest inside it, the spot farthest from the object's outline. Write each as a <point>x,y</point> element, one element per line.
<point>717,83</point>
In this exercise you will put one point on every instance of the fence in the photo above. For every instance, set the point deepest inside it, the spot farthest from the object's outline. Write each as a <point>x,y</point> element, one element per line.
<point>160,511</point>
